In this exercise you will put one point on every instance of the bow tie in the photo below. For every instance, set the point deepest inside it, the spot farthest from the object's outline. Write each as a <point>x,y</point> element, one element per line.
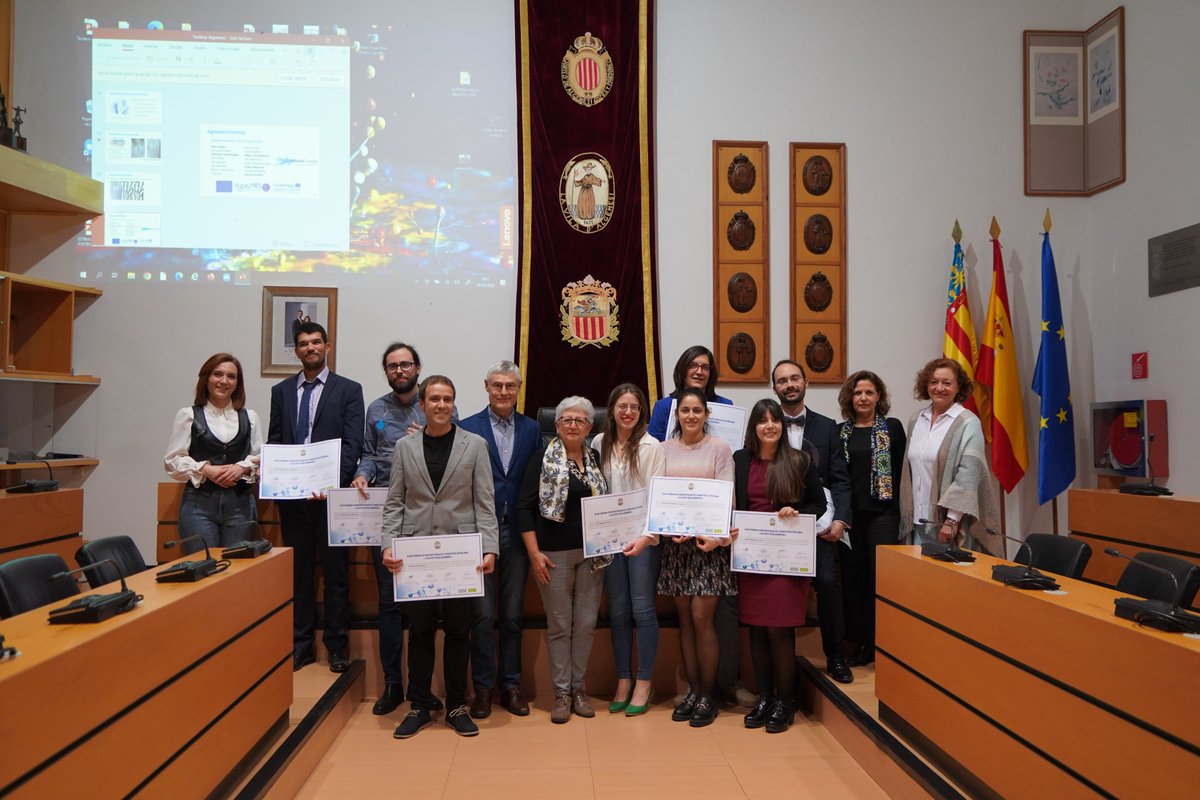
<point>794,420</point>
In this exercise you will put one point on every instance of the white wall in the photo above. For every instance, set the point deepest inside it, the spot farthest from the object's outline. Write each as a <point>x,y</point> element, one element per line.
<point>927,97</point>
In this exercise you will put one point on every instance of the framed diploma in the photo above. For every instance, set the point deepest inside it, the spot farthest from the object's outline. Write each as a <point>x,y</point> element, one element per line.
<point>725,422</point>
<point>355,520</point>
<point>298,471</point>
<point>611,521</point>
<point>438,567</point>
<point>774,545</point>
<point>689,507</point>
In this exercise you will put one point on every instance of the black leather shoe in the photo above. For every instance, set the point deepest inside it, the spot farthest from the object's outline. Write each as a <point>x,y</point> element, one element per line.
<point>301,659</point>
<point>704,713</point>
<point>781,717</point>
<point>339,661</point>
<point>683,711</point>
<point>481,706</point>
<point>758,717</point>
<point>390,700</point>
<point>861,656</point>
<point>839,670</point>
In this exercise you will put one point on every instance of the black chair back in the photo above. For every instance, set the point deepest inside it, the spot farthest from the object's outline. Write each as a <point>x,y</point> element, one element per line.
<point>1153,585</point>
<point>1061,555</point>
<point>25,584</point>
<point>120,549</point>
<point>545,421</point>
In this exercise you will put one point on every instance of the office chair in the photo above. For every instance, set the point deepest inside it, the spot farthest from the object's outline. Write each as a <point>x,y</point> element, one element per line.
<point>1137,580</point>
<point>545,421</point>
<point>1061,555</point>
<point>120,549</point>
<point>25,584</point>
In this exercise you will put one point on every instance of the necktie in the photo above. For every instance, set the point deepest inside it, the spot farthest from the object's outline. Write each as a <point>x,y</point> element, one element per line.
<point>302,419</point>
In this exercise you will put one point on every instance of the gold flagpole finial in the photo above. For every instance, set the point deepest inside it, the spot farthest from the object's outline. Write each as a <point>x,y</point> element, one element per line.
<point>956,234</point>
<point>1046,222</point>
<point>995,229</point>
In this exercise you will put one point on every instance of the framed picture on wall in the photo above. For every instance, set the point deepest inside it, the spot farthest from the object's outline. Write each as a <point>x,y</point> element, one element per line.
<point>284,310</point>
<point>1055,95</point>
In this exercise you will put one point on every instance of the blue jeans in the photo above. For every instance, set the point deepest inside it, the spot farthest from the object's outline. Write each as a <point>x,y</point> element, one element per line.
<point>222,516</point>
<point>631,586</point>
<point>504,591</point>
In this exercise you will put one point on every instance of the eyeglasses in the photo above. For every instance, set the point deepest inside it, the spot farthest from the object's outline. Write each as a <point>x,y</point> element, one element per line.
<point>626,407</point>
<point>699,366</point>
<point>402,366</point>
<point>572,422</point>
<point>502,387</point>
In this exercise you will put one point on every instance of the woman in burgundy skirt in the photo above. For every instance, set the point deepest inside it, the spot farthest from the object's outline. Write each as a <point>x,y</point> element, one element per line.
<point>772,476</point>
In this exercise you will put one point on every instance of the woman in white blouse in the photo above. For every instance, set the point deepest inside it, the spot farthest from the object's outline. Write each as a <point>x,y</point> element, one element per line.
<point>945,493</point>
<point>629,458</point>
<point>214,447</point>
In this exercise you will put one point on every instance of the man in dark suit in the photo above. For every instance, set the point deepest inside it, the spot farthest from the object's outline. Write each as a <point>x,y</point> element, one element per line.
<point>805,425</point>
<point>316,405</point>
<point>511,439</point>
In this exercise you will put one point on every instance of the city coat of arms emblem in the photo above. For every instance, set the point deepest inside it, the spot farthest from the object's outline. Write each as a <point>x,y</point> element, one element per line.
<point>585,192</point>
<point>589,313</point>
<point>587,70</point>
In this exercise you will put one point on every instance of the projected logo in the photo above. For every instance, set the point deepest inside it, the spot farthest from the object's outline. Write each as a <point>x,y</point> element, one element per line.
<point>585,192</point>
<point>589,313</point>
<point>587,70</point>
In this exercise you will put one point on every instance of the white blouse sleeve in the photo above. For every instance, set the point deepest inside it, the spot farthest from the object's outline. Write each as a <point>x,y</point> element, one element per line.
<point>256,442</point>
<point>179,465</point>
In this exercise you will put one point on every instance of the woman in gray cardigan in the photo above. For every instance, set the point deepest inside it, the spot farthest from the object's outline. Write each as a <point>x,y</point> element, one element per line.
<point>945,478</point>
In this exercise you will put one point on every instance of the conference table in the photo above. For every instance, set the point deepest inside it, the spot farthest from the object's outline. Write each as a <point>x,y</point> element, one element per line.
<point>164,700</point>
<point>1025,694</point>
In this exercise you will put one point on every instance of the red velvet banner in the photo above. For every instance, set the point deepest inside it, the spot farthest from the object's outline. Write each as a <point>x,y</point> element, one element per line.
<point>587,296</point>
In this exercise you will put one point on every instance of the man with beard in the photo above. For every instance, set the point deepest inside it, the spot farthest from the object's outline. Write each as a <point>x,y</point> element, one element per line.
<point>317,405</point>
<point>805,425</point>
<point>389,419</point>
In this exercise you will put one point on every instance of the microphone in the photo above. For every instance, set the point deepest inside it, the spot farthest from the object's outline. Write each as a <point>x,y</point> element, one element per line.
<point>253,547</point>
<point>33,486</point>
<point>1023,544</point>
<point>1155,614</point>
<point>93,607</point>
<point>944,552</point>
<point>1020,575</point>
<point>7,651</point>
<point>1145,488</point>
<point>188,571</point>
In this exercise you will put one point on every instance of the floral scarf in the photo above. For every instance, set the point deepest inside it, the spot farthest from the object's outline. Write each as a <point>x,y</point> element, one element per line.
<point>881,456</point>
<point>556,479</point>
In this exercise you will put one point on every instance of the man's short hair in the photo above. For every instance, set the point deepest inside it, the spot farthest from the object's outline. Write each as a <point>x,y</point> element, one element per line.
<point>309,327</point>
<point>432,379</point>
<point>503,367</point>
<point>795,364</point>
<point>394,346</point>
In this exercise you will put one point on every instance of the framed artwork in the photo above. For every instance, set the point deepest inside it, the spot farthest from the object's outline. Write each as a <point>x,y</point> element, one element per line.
<point>284,309</point>
<point>1054,93</point>
<point>1104,76</point>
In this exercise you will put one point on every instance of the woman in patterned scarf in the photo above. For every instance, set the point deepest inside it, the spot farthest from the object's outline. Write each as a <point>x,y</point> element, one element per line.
<point>549,516</point>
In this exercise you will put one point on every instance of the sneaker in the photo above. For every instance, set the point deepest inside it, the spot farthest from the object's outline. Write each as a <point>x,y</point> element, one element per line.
<point>683,711</point>
<point>758,716</point>
<point>413,722</point>
<point>744,697</point>
<point>704,713</point>
<point>781,717</point>
<point>561,711</point>
<point>460,720</point>
<point>581,705</point>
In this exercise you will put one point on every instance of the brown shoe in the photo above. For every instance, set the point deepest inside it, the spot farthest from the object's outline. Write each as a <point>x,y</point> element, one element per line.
<point>481,705</point>
<point>511,699</point>
<point>561,711</point>
<point>581,705</point>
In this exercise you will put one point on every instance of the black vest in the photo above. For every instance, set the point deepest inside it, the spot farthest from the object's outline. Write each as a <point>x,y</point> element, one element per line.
<point>207,447</point>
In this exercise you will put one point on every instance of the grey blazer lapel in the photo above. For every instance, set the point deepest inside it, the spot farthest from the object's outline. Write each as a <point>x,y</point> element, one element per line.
<point>419,457</point>
<point>456,456</point>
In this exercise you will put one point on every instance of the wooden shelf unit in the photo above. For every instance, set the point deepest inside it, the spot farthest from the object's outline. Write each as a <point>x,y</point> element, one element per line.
<point>37,320</point>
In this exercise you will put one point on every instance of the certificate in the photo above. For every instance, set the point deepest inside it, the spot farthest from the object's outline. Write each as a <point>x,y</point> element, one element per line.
<point>297,471</point>
<point>690,507</point>
<point>438,567</point>
<point>611,521</point>
<point>775,545</point>
<point>725,422</point>
<point>353,519</point>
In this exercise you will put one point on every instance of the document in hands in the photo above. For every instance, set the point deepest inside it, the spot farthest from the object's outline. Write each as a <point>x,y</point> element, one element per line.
<point>725,422</point>
<point>690,507</point>
<point>438,567</point>
<point>298,471</point>
<point>775,545</point>
<point>611,521</point>
<point>355,520</point>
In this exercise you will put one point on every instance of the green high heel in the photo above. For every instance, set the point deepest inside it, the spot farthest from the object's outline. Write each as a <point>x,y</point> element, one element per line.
<point>634,711</point>
<point>617,706</point>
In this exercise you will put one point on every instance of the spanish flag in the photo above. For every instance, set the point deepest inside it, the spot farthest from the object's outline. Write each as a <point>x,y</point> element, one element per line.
<point>960,343</point>
<point>998,370</point>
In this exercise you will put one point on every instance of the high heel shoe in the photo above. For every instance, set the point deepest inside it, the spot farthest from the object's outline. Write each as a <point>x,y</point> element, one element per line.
<point>634,711</point>
<point>617,706</point>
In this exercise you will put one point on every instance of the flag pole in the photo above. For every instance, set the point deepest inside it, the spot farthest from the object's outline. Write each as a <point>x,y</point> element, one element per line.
<point>1047,223</point>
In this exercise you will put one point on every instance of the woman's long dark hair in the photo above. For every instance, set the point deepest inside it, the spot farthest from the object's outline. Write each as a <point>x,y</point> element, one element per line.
<point>609,445</point>
<point>688,391</point>
<point>786,470</point>
<point>680,374</point>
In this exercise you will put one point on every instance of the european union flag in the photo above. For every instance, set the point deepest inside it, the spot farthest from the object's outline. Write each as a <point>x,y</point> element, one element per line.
<point>1056,431</point>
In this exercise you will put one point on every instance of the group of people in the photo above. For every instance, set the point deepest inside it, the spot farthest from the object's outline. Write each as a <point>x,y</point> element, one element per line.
<point>869,477</point>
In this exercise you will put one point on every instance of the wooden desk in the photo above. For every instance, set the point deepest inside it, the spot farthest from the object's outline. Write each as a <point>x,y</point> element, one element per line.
<point>164,700</point>
<point>1132,523</point>
<point>1031,694</point>
<point>46,522</point>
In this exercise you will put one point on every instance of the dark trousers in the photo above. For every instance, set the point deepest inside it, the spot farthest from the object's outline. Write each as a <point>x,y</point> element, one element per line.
<point>871,529</point>
<point>829,598</point>
<point>456,648</point>
<point>305,531</point>
<point>728,639</point>
<point>391,623</point>
<point>504,595</point>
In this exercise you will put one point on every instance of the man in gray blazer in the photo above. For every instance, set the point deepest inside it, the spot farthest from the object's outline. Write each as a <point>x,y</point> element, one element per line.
<point>441,484</point>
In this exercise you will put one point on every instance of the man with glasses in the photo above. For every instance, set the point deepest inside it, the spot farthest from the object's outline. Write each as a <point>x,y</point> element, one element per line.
<point>511,439</point>
<point>389,419</point>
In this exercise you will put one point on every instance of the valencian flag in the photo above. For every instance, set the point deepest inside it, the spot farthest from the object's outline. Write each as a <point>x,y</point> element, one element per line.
<point>1056,433</point>
<point>997,369</point>
<point>586,291</point>
<point>960,343</point>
